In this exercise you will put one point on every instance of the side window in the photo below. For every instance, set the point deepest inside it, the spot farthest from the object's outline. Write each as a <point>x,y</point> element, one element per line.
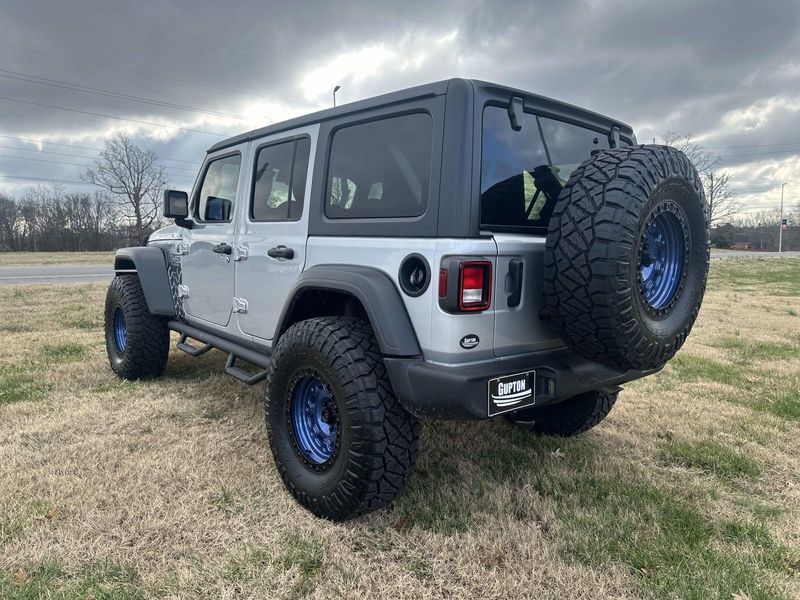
<point>380,169</point>
<point>218,191</point>
<point>279,182</point>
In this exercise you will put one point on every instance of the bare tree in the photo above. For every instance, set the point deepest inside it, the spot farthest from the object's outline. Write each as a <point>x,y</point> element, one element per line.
<point>134,179</point>
<point>8,223</point>
<point>722,203</point>
<point>703,160</point>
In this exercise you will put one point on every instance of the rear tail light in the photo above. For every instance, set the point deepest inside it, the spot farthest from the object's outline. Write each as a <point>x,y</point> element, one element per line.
<point>465,284</point>
<point>474,285</point>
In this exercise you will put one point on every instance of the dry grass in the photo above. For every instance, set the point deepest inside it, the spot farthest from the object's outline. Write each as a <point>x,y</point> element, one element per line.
<point>165,489</point>
<point>25,259</point>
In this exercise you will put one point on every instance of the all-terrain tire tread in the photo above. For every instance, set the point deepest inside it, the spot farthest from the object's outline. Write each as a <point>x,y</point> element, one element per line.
<point>147,344</point>
<point>383,457</point>
<point>590,238</point>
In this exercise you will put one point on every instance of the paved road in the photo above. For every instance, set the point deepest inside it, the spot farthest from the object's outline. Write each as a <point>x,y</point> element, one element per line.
<point>56,274</point>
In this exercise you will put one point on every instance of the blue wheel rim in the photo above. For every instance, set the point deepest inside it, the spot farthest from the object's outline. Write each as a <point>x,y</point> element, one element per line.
<point>120,330</point>
<point>314,420</point>
<point>662,258</point>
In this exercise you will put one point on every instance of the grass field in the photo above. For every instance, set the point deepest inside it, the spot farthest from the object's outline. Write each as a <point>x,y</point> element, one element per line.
<point>166,489</point>
<point>25,259</point>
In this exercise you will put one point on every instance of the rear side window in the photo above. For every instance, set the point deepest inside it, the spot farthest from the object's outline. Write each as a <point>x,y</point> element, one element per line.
<point>218,191</point>
<point>522,172</point>
<point>279,181</point>
<point>380,169</point>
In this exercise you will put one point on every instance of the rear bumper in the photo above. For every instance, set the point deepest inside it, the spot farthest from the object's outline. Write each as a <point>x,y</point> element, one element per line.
<point>461,392</point>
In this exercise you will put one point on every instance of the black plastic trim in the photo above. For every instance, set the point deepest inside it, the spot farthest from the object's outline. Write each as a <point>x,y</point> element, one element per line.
<point>443,392</point>
<point>259,359</point>
<point>378,295</point>
<point>150,263</point>
<point>402,279</point>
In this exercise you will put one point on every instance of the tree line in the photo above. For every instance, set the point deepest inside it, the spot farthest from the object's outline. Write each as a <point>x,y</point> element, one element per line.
<point>125,208</point>
<point>123,211</point>
<point>759,230</point>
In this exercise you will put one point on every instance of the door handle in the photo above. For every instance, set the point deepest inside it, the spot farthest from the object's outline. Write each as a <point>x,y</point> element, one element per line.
<point>280,252</point>
<point>223,248</point>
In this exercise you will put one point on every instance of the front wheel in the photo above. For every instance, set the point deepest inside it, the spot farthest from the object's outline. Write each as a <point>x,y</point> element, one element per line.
<point>137,342</point>
<point>342,443</point>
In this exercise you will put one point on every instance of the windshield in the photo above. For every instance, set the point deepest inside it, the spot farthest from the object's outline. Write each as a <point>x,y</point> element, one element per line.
<point>523,171</point>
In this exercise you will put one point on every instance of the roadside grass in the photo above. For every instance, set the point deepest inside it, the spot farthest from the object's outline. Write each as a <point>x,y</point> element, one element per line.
<point>166,489</point>
<point>24,259</point>
<point>767,276</point>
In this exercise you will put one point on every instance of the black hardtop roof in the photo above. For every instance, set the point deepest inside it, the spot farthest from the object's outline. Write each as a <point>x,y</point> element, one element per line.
<point>413,93</point>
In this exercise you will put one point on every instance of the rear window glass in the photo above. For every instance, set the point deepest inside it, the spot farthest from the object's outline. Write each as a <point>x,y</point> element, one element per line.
<point>523,171</point>
<point>380,169</point>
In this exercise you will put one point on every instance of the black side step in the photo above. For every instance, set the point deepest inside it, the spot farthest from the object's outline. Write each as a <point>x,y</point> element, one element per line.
<point>234,350</point>
<point>242,375</point>
<point>192,350</point>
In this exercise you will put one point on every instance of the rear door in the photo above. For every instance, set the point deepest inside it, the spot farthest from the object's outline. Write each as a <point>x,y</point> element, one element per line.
<point>522,173</point>
<point>271,247</point>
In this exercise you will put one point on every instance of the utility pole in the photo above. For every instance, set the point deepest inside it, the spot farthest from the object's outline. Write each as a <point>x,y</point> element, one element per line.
<point>780,224</point>
<point>336,89</point>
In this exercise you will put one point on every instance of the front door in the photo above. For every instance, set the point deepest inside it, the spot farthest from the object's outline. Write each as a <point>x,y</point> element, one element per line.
<point>207,268</point>
<point>272,238</point>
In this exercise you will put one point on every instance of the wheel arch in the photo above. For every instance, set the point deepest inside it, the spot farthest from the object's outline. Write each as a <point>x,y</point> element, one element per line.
<point>346,290</point>
<point>149,263</point>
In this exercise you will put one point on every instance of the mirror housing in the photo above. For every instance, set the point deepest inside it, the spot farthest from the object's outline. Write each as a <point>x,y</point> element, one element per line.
<point>176,206</point>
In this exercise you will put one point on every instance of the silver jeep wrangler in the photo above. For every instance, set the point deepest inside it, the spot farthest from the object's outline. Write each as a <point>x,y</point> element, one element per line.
<point>458,250</point>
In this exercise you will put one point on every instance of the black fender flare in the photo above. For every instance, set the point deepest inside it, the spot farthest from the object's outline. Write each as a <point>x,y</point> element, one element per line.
<point>378,295</point>
<point>150,265</point>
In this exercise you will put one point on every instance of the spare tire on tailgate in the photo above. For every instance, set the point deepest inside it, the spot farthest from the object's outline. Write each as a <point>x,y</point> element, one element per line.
<point>627,256</point>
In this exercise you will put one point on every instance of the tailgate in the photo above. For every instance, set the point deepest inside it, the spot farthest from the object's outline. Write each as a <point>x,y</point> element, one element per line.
<point>518,297</point>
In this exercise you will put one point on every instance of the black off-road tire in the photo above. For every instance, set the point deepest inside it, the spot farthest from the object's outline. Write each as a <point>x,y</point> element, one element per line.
<point>594,245</point>
<point>377,441</point>
<point>147,336</point>
<point>567,418</point>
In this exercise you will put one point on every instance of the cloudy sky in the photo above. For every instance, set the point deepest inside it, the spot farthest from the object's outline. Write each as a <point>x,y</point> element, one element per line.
<point>179,76</point>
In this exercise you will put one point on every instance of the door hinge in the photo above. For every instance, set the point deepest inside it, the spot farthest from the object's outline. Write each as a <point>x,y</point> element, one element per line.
<point>239,305</point>
<point>183,291</point>
<point>239,253</point>
<point>181,248</point>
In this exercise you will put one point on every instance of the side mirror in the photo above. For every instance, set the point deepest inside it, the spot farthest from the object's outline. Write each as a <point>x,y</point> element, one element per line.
<point>176,204</point>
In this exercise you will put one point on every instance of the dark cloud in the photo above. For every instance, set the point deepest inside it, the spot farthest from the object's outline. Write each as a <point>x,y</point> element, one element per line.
<point>727,72</point>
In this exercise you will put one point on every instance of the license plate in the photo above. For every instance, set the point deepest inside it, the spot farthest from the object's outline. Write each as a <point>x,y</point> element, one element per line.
<point>511,392</point>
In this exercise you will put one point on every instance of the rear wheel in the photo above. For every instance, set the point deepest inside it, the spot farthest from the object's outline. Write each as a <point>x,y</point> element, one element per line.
<point>137,342</point>
<point>570,417</point>
<point>342,443</point>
